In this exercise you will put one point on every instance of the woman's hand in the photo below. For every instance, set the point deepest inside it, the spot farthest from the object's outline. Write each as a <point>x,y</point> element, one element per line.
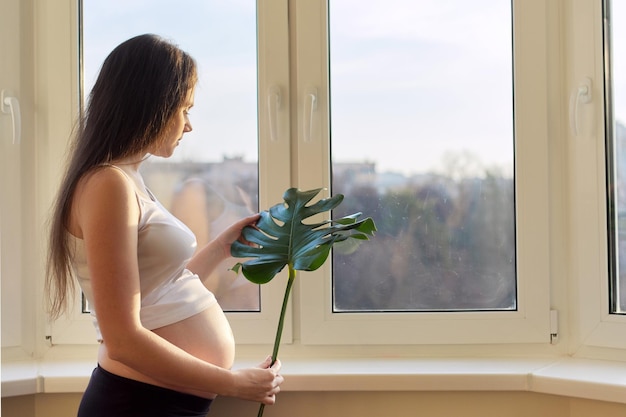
<point>206,259</point>
<point>259,384</point>
<point>233,233</point>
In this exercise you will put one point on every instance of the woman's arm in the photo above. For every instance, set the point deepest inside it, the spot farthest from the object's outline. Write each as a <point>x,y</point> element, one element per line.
<point>105,214</point>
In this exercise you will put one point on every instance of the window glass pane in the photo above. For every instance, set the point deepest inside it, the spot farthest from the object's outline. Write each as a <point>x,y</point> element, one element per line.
<point>212,179</point>
<point>616,134</point>
<point>422,141</point>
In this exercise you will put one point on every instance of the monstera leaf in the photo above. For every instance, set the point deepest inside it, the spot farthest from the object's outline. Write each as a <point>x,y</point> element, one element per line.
<point>283,238</point>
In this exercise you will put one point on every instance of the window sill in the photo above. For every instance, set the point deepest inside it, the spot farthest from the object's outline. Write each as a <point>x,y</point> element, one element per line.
<point>580,378</point>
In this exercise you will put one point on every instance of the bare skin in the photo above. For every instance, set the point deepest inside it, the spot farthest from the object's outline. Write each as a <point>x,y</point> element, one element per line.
<point>192,356</point>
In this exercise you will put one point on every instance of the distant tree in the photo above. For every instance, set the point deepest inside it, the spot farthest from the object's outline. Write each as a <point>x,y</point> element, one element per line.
<point>444,242</point>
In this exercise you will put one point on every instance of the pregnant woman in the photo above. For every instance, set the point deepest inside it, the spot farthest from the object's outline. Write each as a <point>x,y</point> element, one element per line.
<point>166,347</point>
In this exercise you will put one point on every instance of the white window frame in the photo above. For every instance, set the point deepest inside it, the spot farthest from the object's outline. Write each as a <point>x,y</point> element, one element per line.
<point>564,237</point>
<point>11,226</point>
<point>530,323</point>
<point>273,78</point>
<point>593,326</point>
<point>11,221</point>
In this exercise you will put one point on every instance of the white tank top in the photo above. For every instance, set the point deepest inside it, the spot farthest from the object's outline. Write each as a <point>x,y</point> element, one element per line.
<point>169,291</point>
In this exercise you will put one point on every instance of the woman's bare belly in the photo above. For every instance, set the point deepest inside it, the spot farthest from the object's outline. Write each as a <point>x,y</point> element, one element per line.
<point>207,336</point>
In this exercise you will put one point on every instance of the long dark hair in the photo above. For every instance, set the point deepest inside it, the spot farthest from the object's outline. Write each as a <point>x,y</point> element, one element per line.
<point>141,84</point>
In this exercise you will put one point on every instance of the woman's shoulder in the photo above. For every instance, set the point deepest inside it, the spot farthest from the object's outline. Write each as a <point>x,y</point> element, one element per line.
<point>105,178</point>
<point>106,186</point>
<point>103,196</point>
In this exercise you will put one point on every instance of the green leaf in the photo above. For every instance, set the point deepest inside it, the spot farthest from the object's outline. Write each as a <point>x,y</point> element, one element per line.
<point>281,236</point>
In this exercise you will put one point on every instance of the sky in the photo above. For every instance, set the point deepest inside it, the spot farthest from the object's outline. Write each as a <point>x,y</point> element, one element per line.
<point>421,79</point>
<point>220,35</point>
<point>411,80</point>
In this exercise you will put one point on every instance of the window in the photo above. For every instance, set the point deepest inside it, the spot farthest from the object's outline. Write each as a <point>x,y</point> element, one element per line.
<point>18,199</point>
<point>10,228</point>
<point>504,291</point>
<point>214,177</point>
<point>422,139</point>
<point>359,134</point>
<point>593,154</point>
<point>615,85</point>
<point>301,124</point>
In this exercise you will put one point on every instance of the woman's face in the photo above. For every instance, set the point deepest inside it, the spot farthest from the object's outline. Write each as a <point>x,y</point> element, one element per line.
<point>178,125</point>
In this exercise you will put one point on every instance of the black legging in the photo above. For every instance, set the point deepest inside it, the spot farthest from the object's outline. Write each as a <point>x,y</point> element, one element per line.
<point>110,395</point>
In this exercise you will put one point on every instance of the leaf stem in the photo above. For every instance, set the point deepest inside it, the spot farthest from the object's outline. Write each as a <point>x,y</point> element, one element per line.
<point>281,322</point>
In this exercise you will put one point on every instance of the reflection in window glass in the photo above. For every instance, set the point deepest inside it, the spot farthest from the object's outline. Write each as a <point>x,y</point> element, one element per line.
<point>615,13</point>
<point>212,179</point>
<point>422,141</point>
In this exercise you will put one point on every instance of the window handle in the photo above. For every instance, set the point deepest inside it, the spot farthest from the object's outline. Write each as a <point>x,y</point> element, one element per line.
<point>273,105</point>
<point>10,105</point>
<point>580,95</point>
<point>310,106</point>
